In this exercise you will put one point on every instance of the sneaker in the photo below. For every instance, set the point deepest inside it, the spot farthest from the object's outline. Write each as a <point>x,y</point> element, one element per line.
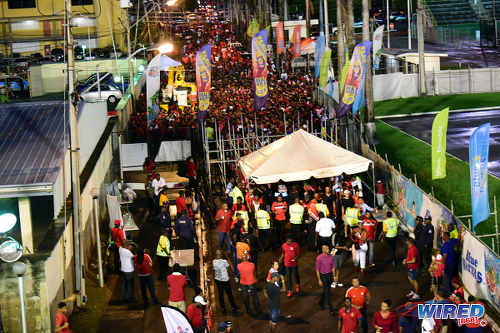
<point>289,293</point>
<point>297,288</point>
<point>414,296</point>
<point>339,284</point>
<point>410,294</point>
<point>334,284</point>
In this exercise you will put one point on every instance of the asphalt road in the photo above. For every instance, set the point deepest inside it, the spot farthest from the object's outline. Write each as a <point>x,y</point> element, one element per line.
<point>460,127</point>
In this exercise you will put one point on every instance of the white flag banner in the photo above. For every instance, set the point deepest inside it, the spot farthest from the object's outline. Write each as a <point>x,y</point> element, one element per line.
<point>378,37</point>
<point>175,320</point>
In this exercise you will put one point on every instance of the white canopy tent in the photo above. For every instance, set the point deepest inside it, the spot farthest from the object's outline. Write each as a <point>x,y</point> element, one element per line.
<point>300,156</point>
<point>159,63</point>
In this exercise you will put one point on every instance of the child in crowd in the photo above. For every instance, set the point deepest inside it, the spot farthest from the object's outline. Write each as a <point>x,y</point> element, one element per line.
<point>436,270</point>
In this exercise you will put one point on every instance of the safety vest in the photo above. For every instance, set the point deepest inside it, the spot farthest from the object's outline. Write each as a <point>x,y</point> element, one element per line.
<point>236,193</point>
<point>321,207</point>
<point>163,248</point>
<point>263,219</point>
<point>244,216</point>
<point>351,216</point>
<point>391,227</point>
<point>296,213</point>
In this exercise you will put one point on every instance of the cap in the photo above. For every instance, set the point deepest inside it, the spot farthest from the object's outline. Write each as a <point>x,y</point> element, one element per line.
<point>199,299</point>
<point>275,274</point>
<point>379,181</point>
<point>439,257</point>
<point>117,222</point>
<point>419,218</point>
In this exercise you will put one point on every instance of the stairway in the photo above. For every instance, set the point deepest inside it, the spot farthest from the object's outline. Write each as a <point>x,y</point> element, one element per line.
<point>451,12</point>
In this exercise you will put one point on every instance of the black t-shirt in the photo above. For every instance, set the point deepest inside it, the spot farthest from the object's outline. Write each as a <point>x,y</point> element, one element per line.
<point>273,294</point>
<point>347,202</point>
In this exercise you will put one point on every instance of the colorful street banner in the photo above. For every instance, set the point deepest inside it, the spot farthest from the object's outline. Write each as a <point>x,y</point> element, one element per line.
<point>439,129</point>
<point>318,53</point>
<point>378,36</point>
<point>259,67</point>
<point>325,65</point>
<point>203,77</point>
<point>353,94</point>
<point>307,46</point>
<point>345,69</point>
<point>253,28</point>
<point>280,38</point>
<point>478,163</point>
<point>296,41</point>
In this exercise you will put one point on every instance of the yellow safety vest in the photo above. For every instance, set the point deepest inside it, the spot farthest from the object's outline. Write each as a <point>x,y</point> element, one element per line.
<point>296,213</point>
<point>391,227</point>
<point>163,248</point>
<point>244,216</point>
<point>237,194</point>
<point>263,219</point>
<point>321,207</point>
<point>351,216</point>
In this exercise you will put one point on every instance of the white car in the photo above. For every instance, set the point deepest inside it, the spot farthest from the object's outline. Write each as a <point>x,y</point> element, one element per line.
<point>108,93</point>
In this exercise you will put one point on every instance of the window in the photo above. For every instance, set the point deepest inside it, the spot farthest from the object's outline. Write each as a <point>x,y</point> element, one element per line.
<point>16,4</point>
<point>81,2</point>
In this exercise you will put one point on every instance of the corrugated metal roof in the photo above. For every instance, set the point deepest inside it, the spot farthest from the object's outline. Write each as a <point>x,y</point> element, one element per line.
<point>31,142</point>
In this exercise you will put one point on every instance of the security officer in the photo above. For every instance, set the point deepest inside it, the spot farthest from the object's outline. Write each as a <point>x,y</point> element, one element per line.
<point>296,212</point>
<point>321,207</point>
<point>351,219</point>
<point>163,253</point>
<point>263,227</point>
<point>240,209</point>
<point>424,237</point>
<point>390,231</point>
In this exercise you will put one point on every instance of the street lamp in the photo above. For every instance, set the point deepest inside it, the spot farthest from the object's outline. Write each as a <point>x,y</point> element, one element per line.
<point>165,48</point>
<point>19,268</point>
<point>171,3</point>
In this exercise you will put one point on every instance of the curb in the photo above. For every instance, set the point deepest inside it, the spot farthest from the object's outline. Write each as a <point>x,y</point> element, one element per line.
<point>402,115</point>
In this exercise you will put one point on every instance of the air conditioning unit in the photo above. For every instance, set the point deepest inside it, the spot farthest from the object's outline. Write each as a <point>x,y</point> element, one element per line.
<point>125,4</point>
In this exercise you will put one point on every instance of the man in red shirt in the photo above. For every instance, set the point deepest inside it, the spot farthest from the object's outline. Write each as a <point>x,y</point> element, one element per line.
<point>370,225</point>
<point>176,283</point>
<point>62,324</point>
<point>118,237</point>
<point>180,203</point>
<point>279,209</point>
<point>248,284</point>
<point>290,252</point>
<point>223,218</point>
<point>195,314</point>
<point>359,297</point>
<point>349,318</point>
<point>412,262</point>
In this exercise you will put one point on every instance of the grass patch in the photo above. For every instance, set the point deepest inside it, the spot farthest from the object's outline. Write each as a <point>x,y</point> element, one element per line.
<point>414,156</point>
<point>435,103</point>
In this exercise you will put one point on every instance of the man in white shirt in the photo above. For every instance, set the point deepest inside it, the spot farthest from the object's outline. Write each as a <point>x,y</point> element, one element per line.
<point>158,183</point>
<point>127,269</point>
<point>324,231</point>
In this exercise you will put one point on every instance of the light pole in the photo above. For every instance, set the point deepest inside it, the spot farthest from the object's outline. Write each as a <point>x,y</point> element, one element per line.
<point>19,268</point>
<point>408,4</point>
<point>421,45</point>
<point>388,15</point>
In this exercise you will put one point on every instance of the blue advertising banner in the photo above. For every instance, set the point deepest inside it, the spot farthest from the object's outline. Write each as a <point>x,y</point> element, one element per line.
<point>259,66</point>
<point>203,77</point>
<point>318,53</point>
<point>478,163</point>
<point>353,92</point>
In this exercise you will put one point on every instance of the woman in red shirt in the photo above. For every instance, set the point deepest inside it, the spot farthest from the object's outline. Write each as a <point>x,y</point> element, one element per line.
<point>144,269</point>
<point>385,321</point>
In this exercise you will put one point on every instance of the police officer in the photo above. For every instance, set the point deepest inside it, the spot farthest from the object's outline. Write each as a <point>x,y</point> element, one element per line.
<point>263,227</point>
<point>165,220</point>
<point>296,212</point>
<point>390,231</point>
<point>424,237</point>
<point>163,253</point>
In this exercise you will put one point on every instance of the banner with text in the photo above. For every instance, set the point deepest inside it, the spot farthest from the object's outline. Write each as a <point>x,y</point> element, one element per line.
<point>259,67</point>
<point>203,77</point>
<point>280,38</point>
<point>439,129</point>
<point>378,36</point>
<point>296,41</point>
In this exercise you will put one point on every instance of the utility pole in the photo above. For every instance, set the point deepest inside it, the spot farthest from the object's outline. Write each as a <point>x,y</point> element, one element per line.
<point>327,33</point>
<point>408,4</point>
<point>75,162</point>
<point>369,114</point>
<point>388,15</point>
<point>421,51</point>
<point>131,73</point>
<point>308,20</point>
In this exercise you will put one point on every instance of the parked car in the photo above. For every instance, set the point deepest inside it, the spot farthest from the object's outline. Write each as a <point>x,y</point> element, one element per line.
<point>18,86</point>
<point>57,55</point>
<point>109,93</point>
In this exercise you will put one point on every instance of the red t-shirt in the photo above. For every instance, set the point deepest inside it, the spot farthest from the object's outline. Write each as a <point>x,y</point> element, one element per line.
<point>412,254</point>
<point>371,228</point>
<point>247,273</point>
<point>191,169</point>
<point>388,324</point>
<point>144,268</point>
<point>195,315</point>
<point>176,284</point>
<point>180,203</point>
<point>61,319</point>
<point>290,251</point>
<point>279,209</point>
<point>357,295</point>
<point>223,219</point>
<point>118,236</point>
<point>349,319</point>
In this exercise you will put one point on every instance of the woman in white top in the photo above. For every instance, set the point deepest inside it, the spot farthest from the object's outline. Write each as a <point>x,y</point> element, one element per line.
<point>221,266</point>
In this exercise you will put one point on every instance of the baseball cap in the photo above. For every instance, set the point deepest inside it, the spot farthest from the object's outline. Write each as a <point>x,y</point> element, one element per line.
<point>117,222</point>
<point>275,274</point>
<point>439,257</point>
<point>199,299</point>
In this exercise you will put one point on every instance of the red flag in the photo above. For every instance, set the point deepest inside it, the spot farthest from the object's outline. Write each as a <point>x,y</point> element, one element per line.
<point>280,38</point>
<point>296,41</point>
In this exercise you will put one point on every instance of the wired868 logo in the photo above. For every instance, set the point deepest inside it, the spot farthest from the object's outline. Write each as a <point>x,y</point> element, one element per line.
<point>464,313</point>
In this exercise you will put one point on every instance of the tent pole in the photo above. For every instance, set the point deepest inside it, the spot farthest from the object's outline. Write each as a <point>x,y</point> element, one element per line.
<point>284,121</point>
<point>373,184</point>
<point>298,119</point>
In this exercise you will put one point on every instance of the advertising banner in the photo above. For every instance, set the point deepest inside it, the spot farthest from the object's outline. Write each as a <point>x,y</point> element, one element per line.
<point>353,92</point>
<point>203,77</point>
<point>296,41</point>
<point>253,28</point>
<point>318,53</point>
<point>378,36</point>
<point>307,46</point>
<point>325,65</point>
<point>478,163</point>
<point>480,270</point>
<point>439,129</point>
<point>259,67</point>
<point>280,38</point>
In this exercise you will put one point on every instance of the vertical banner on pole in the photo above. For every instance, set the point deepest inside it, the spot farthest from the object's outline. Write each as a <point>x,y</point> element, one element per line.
<point>318,53</point>
<point>280,38</point>
<point>478,163</point>
<point>439,129</point>
<point>259,67</point>
<point>325,65</point>
<point>296,41</point>
<point>378,36</point>
<point>203,78</point>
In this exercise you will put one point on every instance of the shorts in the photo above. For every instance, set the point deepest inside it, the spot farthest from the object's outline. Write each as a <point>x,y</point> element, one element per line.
<point>179,305</point>
<point>412,274</point>
<point>274,316</point>
<point>338,261</point>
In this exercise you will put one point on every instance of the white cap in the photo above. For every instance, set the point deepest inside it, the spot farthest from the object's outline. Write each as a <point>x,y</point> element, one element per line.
<point>439,257</point>
<point>199,299</point>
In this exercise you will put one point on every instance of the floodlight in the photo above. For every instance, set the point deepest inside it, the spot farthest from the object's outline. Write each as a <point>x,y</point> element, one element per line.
<point>166,48</point>
<point>10,250</point>
<point>7,222</point>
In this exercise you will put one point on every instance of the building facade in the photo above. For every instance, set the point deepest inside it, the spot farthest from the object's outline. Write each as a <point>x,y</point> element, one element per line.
<point>37,26</point>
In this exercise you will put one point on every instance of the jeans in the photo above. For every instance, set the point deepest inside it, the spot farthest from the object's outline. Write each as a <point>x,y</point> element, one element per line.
<point>289,271</point>
<point>127,286</point>
<point>392,245</point>
<point>297,233</point>
<point>147,282</point>
<point>324,241</point>
<point>371,252</point>
<point>364,320</point>
<point>279,227</point>
<point>186,243</point>
<point>250,291</point>
<point>225,286</point>
<point>163,261</point>
<point>264,238</point>
<point>223,237</point>
<point>448,275</point>
<point>274,315</point>
<point>116,255</point>
<point>327,280</point>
